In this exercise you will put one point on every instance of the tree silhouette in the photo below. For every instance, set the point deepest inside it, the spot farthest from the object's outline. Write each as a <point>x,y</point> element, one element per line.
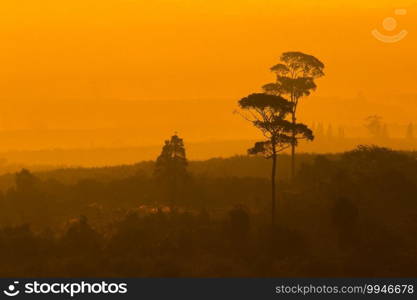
<point>267,113</point>
<point>295,75</point>
<point>171,166</point>
<point>374,125</point>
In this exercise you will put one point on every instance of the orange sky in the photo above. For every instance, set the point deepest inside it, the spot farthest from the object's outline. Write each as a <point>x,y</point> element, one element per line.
<point>97,51</point>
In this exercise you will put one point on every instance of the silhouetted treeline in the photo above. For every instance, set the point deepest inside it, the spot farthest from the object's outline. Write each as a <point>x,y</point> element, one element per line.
<point>352,214</point>
<point>236,166</point>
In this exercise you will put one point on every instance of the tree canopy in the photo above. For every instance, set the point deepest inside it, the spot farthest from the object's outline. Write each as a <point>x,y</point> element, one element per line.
<point>172,161</point>
<point>268,113</point>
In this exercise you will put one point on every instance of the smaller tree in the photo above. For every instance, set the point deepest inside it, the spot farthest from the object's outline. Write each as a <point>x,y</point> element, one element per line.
<point>374,125</point>
<point>268,113</point>
<point>171,167</point>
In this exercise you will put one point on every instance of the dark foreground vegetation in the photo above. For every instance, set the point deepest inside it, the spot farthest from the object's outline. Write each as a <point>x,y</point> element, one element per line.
<point>351,214</point>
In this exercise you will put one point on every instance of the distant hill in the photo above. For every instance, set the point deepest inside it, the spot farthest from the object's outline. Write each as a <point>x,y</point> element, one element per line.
<point>235,166</point>
<point>47,159</point>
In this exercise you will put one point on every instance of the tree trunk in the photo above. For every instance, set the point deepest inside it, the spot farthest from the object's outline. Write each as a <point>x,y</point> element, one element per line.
<point>293,147</point>
<point>273,182</point>
<point>174,190</point>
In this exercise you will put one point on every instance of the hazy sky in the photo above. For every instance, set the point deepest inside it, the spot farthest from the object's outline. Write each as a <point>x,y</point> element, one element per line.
<point>96,50</point>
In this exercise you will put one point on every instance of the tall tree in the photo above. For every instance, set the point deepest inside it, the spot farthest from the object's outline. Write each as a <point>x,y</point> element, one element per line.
<point>295,77</point>
<point>171,166</point>
<point>268,113</point>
